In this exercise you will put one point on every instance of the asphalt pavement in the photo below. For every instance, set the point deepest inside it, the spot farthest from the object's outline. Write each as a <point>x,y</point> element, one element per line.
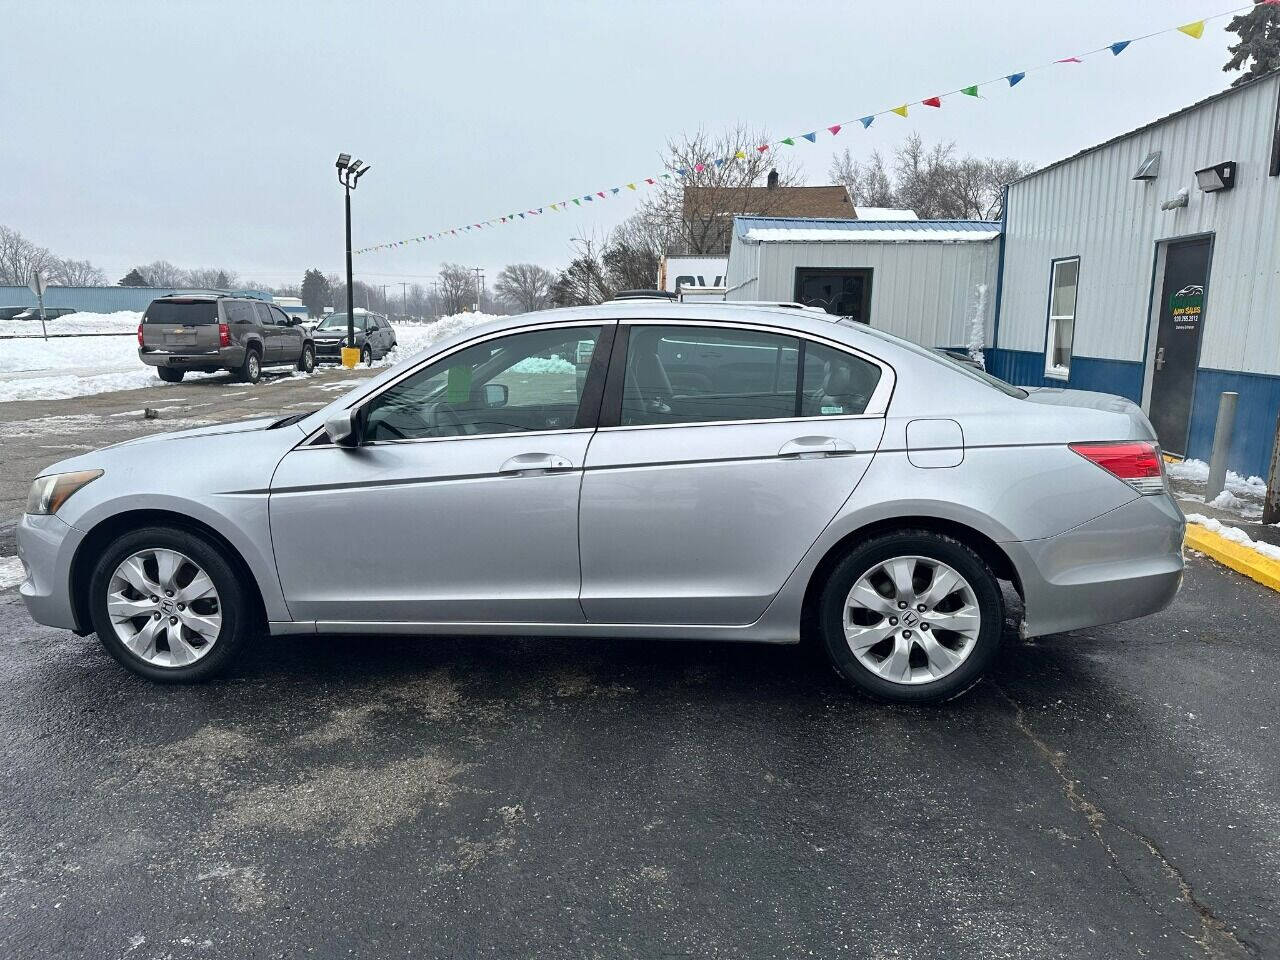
<point>1113,792</point>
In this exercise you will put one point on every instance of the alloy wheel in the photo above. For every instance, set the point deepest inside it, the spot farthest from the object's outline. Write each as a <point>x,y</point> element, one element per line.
<point>164,608</point>
<point>912,620</point>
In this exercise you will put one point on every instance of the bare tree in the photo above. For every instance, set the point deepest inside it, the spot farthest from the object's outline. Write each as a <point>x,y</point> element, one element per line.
<point>210,278</point>
<point>20,259</point>
<point>931,180</point>
<point>76,273</point>
<point>525,286</point>
<point>457,288</point>
<point>162,273</point>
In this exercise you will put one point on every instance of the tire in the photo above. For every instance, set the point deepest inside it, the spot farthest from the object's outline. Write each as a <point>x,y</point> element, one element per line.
<point>915,659</point>
<point>366,355</point>
<point>200,658</point>
<point>251,369</point>
<point>170,375</point>
<point>307,362</point>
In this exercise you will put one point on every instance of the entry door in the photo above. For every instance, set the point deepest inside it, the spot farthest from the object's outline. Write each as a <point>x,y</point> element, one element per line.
<point>1173,382</point>
<point>845,293</point>
<point>704,497</point>
<point>461,504</point>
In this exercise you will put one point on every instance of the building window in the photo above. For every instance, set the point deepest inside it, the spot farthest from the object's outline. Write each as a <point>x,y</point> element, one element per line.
<point>1063,279</point>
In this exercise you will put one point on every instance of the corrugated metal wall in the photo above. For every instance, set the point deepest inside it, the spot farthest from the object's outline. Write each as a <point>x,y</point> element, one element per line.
<point>926,291</point>
<point>1092,208</point>
<point>98,299</point>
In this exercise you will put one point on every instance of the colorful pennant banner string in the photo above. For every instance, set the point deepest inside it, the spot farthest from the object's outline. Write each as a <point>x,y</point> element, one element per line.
<point>1194,29</point>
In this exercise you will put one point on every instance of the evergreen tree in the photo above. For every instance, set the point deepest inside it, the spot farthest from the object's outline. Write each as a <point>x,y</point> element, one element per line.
<point>133,278</point>
<point>222,280</point>
<point>1258,51</point>
<point>316,292</point>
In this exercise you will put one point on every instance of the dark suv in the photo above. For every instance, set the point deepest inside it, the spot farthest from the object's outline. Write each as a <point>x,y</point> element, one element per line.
<point>375,337</point>
<point>208,333</point>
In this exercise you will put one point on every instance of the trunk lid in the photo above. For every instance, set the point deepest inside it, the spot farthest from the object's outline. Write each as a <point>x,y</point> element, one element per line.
<point>181,325</point>
<point>1092,400</point>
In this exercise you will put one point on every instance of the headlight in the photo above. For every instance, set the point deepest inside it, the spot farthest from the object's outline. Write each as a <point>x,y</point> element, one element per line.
<point>49,493</point>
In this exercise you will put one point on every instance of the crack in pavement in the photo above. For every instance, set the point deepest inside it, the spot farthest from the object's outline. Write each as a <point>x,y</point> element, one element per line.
<point>1216,938</point>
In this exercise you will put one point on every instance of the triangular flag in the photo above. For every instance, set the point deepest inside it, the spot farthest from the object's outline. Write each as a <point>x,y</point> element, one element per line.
<point>931,102</point>
<point>970,91</point>
<point>650,181</point>
<point>739,155</point>
<point>631,186</point>
<point>521,216</point>
<point>1069,60</point>
<point>867,121</point>
<point>682,170</point>
<point>833,129</point>
<point>789,142</point>
<point>720,162</point>
<point>554,207</point>
<point>811,137</point>
<point>1015,78</point>
<point>699,167</point>
<point>901,111</point>
<point>1193,30</point>
<point>589,198</point>
<point>577,202</point>
<point>762,148</point>
<point>615,189</point>
<point>599,193</point>
<point>1117,48</point>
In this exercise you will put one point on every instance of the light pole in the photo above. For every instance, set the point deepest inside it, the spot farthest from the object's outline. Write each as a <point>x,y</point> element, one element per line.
<point>349,174</point>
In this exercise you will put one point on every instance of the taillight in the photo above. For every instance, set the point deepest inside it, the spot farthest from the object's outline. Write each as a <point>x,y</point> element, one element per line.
<point>140,335</point>
<point>224,335</point>
<point>1136,462</point>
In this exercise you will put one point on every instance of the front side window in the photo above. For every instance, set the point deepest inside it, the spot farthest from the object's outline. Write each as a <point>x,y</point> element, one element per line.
<point>526,381</point>
<point>1063,281</point>
<point>714,374</point>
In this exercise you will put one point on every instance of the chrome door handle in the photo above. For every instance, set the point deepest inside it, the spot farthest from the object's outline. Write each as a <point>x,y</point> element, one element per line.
<point>806,447</point>
<point>535,463</point>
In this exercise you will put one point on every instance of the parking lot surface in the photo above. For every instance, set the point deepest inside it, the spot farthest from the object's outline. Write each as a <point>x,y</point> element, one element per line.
<point>1112,792</point>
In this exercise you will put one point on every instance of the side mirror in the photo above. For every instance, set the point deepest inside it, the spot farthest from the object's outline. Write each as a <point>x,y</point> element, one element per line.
<point>495,395</point>
<point>342,428</point>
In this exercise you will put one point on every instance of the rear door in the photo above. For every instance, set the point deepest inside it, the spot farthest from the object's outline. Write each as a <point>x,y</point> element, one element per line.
<point>723,452</point>
<point>181,325</point>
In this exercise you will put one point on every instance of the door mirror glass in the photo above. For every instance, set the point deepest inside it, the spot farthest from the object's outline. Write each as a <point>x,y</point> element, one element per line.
<point>341,429</point>
<point>495,395</point>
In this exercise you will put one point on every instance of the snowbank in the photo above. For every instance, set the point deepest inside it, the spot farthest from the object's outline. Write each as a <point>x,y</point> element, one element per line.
<point>1235,535</point>
<point>125,321</point>
<point>413,338</point>
<point>1196,472</point>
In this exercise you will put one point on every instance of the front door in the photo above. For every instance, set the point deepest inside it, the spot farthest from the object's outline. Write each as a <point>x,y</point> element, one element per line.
<point>719,470</point>
<point>1173,381</point>
<point>845,293</point>
<point>460,504</point>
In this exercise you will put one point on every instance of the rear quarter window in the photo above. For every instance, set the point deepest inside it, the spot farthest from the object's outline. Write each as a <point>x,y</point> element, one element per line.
<point>187,314</point>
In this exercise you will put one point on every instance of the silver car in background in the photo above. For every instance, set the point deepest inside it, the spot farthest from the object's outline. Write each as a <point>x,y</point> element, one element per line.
<point>718,472</point>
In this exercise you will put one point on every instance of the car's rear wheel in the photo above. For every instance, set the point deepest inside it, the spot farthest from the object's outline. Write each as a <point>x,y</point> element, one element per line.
<point>307,362</point>
<point>170,375</point>
<point>251,369</point>
<point>168,605</point>
<point>912,616</point>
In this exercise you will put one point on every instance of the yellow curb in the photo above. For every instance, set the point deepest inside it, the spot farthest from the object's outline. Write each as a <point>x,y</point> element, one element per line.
<point>1239,558</point>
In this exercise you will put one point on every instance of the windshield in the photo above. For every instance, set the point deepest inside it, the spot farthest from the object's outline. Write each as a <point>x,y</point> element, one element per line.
<point>336,321</point>
<point>971,371</point>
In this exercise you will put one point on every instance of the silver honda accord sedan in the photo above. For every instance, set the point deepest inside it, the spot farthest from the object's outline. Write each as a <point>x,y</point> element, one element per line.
<point>711,472</point>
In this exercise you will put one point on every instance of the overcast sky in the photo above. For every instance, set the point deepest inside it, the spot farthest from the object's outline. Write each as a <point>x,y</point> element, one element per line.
<point>205,133</point>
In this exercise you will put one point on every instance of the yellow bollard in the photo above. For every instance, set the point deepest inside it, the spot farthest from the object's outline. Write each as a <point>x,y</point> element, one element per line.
<point>350,357</point>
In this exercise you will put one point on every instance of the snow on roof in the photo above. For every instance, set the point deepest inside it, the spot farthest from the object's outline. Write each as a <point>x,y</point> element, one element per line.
<point>785,230</point>
<point>884,213</point>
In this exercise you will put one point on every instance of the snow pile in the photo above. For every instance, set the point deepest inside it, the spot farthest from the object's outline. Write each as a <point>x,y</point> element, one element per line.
<point>1235,535</point>
<point>543,365</point>
<point>124,321</point>
<point>977,329</point>
<point>1242,495</point>
<point>12,572</point>
<point>413,338</point>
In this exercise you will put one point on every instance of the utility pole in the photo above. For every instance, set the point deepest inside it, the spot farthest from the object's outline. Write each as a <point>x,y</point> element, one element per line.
<point>479,272</point>
<point>404,291</point>
<point>349,174</point>
<point>384,297</point>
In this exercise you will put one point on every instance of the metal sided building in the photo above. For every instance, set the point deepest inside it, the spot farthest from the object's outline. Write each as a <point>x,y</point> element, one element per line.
<point>931,281</point>
<point>1149,266</point>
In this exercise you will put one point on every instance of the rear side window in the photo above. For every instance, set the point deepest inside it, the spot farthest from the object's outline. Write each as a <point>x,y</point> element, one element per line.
<point>187,313</point>
<point>712,374</point>
<point>240,312</point>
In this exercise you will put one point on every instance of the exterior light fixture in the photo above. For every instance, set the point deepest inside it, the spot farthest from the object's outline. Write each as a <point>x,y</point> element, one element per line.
<point>343,160</point>
<point>1221,176</point>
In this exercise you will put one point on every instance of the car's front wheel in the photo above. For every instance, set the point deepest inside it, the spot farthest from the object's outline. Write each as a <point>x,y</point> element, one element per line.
<point>912,616</point>
<point>307,362</point>
<point>168,605</point>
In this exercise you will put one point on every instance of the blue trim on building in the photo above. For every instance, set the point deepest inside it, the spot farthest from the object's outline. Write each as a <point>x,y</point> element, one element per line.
<point>1256,410</point>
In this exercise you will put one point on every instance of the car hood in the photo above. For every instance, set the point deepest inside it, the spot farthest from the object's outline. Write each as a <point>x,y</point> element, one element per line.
<point>1092,400</point>
<point>235,426</point>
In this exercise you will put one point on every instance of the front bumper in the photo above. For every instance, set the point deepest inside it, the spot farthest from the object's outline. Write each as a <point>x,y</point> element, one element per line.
<point>329,350</point>
<point>1124,564</point>
<point>224,358</point>
<point>47,546</point>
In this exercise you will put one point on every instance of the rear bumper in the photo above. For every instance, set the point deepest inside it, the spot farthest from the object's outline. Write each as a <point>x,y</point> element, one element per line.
<point>224,358</point>
<point>1124,564</point>
<point>46,546</point>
